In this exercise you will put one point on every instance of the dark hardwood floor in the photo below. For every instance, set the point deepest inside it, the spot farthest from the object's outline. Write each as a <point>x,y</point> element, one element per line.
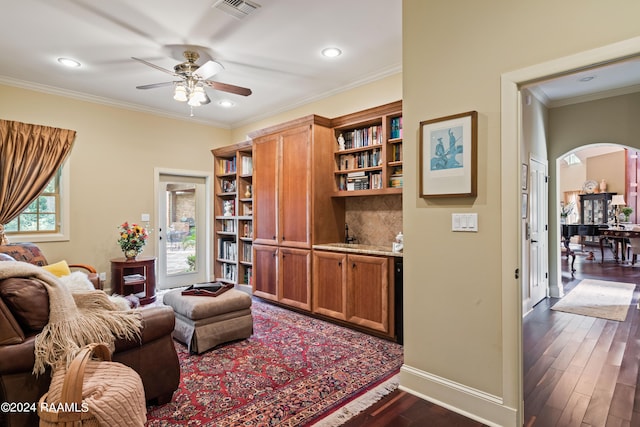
<point>578,370</point>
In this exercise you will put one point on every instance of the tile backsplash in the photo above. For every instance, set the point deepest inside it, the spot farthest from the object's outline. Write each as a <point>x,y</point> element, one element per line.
<point>374,220</point>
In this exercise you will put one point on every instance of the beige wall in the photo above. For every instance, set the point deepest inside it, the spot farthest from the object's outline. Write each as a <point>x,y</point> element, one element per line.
<point>112,165</point>
<point>610,167</point>
<point>454,55</point>
<point>370,95</point>
<point>116,151</point>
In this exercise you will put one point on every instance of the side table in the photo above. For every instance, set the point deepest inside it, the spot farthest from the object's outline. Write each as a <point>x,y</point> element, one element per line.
<point>135,277</point>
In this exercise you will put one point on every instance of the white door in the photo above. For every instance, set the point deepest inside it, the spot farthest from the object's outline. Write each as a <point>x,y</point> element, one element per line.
<point>538,233</point>
<point>181,229</point>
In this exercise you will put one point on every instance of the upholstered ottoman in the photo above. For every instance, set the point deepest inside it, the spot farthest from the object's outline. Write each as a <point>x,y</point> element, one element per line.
<point>203,322</point>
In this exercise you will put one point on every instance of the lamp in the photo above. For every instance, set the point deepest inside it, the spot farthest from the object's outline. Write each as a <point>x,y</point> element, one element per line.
<point>617,200</point>
<point>180,93</point>
<point>192,92</point>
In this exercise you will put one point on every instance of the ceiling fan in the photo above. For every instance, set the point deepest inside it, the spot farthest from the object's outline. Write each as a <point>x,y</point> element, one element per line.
<point>194,77</point>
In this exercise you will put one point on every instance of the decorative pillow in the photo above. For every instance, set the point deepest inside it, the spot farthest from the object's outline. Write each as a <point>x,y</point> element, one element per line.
<point>27,300</point>
<point>58,269</point>
<point>10,332</point>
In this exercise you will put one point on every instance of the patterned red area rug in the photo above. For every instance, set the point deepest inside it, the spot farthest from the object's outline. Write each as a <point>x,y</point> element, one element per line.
<point>292,371</point>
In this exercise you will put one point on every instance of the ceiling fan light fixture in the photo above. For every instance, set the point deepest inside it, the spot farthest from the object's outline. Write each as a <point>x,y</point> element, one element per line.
<point>194,101</point>
<point>180,93</point>
<point>198,94</point>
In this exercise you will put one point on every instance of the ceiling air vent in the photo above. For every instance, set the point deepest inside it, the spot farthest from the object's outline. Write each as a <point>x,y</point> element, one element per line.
<point>237,8</point>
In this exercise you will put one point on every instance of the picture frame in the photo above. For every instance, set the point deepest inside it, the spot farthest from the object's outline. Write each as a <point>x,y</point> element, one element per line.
<point>524,176</point>
<point>525,205</point>
<point>449,169</point>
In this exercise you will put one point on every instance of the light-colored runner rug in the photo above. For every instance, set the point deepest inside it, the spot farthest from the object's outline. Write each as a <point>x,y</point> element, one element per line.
<point>598,298</point>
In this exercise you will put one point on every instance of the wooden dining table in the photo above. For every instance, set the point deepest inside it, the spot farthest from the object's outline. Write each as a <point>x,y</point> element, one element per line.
<point>619,236</point>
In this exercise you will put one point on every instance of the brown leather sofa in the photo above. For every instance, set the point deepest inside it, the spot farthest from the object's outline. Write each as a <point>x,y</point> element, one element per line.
<point>24,310</point>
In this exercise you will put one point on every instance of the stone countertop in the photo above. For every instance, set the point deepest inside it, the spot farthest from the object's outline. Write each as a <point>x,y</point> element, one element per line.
<point>358,249</point>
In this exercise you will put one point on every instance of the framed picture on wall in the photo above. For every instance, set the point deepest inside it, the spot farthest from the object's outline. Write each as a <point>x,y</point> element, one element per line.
<point>524,178</point>
<point>448,156</point>
<point>525,205</point>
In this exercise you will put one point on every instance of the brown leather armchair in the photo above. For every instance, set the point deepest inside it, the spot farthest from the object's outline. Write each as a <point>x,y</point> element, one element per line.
<point>31,253</point>
<point>24,310</point>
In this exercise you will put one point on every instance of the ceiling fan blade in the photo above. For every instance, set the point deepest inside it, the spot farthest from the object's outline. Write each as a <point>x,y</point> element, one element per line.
<point>224,87</point>
<point>154,85</point>
<point>164,70</point>
<point>208,69</point>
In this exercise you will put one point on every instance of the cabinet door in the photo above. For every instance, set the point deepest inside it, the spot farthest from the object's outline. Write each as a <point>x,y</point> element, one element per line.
<point>295,188</point>
<point>330,284</point>
<point>368,292</point>
<point>295,277</point>
<point>265,199</point>
<point>265,281</point>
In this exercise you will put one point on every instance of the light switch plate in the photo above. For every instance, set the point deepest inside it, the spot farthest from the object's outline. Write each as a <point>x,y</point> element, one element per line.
<point>464,222</point>
<point>144,217</point>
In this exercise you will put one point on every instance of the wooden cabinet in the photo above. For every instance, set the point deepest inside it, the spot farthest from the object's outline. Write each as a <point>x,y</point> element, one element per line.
<point>293,206</point>
<point>354,288</point>
<point>596,208</point>
<point>284,275</point>
<point>233,207</point>
<point>136,277</point>
<point>265,284</point>
<point>368,151</point>
<point>294,267</point>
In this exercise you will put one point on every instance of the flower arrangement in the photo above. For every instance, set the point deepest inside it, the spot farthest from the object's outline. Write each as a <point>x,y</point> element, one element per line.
<point>132,239</point>
<point>566,210</point>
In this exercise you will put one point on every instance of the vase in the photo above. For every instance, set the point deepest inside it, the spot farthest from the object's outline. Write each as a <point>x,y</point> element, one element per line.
<point>131,254</point>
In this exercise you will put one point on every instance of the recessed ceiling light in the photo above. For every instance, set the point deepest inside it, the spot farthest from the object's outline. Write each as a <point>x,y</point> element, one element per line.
<point>68,62</point>
<point>587,79</point>
<point>331,52</point>
<point>226,103</point>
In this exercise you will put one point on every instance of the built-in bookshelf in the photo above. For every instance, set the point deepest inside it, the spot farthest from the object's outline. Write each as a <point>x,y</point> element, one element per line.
<point>233,209</point>
<point>368,151</point>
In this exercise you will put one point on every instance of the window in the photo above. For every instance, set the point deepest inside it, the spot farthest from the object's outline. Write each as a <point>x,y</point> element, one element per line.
<point>44,219</point>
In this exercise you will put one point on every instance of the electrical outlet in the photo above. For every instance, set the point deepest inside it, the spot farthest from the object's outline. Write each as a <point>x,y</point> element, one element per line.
<point>102,276</point>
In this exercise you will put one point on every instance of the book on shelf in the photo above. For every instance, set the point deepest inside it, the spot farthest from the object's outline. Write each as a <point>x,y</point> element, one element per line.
<point>133,278</point>
<point>364,159</point>
<point>229,272</point>
<point>396,127</point>
<point>364,137</point>
<point>396,153</point>
<point>229,225</point>
<point>228,165</point>
<point>247,165</point>
<point>227,249</point>
<point>247,254</point>
<point>248,276</point>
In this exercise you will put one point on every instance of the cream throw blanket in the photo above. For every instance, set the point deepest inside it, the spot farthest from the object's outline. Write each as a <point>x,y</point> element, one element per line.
<point>75,320</point>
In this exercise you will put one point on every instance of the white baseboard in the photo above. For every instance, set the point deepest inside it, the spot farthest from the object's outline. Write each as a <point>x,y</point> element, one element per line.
<point>474,404</point>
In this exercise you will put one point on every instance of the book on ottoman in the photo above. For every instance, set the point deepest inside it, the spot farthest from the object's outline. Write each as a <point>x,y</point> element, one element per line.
<point>208,289</point>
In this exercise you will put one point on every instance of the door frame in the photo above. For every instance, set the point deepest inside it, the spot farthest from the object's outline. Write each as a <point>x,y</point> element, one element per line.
<point>208,217</point>
<point>510,188</point>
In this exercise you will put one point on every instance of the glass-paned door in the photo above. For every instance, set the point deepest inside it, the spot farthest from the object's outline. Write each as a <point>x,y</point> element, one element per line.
<point>181,231</point>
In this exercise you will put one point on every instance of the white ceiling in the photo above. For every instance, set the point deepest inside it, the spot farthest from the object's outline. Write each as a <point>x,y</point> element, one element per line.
<point>275,51</point>
<point>593,83</point>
